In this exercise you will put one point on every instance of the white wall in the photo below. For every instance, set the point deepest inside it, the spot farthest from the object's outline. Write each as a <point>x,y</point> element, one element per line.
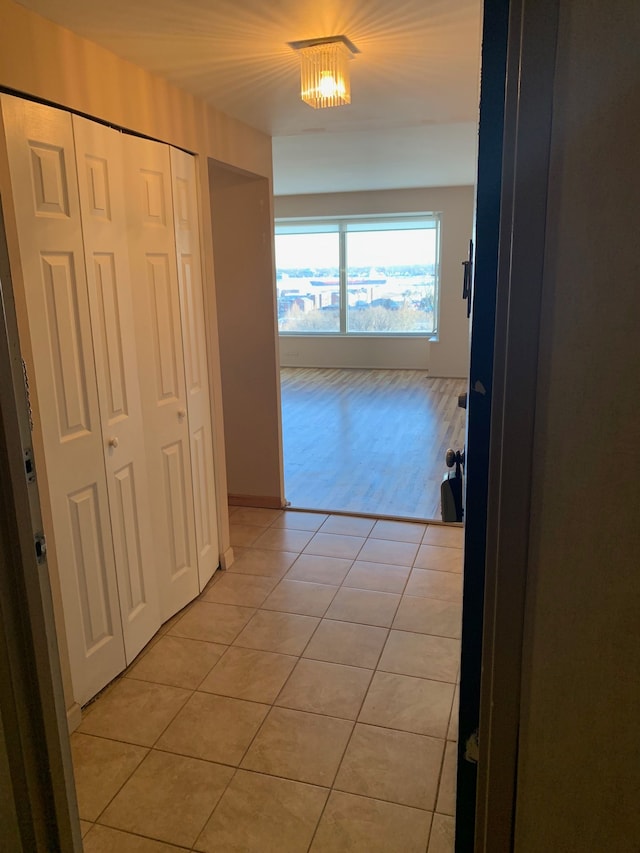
<point>243,263</point>
<point>446,356</point>
<point>579,768</point>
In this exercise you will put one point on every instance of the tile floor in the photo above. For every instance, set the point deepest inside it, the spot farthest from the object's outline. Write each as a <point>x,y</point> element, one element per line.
<point>307,701</point>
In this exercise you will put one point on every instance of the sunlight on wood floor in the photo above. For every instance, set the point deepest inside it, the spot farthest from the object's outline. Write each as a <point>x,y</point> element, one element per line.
<point>368,441</point>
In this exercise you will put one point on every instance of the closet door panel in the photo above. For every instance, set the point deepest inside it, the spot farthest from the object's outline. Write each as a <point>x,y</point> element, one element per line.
<point>65,342</point>
<point>166,356</point>
<point>160,353</point>
<point>185,209</point>
<point>89,553</point>
<point>46,207</point>
<point>178,506</point>
<point>99,153</point>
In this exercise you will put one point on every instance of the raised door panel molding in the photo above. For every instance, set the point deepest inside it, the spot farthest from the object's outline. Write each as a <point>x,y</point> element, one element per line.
<point>133,598</point>
<point>90,567</point>
<point>154,192</point>
<point>165,355</point>
<point>97,182</point>
<point>49,179</point>
<point>65,344</point>
<point>176,509</point>
<point>204,498</point>
<point>181,207</point>
<point>195,349</point>
<point>114,405</point>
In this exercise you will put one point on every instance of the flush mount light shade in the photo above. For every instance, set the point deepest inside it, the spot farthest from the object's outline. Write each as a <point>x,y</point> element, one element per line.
<point>324,72</point>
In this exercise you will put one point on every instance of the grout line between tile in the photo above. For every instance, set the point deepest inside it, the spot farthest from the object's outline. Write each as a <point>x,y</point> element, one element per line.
<point>139,835</point>
<point>98,818</point>
<point>194,846</point>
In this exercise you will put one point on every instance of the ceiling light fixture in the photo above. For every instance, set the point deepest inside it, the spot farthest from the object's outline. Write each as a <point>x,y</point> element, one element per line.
<point>324,70</point>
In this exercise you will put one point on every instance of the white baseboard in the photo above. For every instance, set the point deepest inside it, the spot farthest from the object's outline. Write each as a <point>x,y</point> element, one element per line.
<point>227,559</point>
<point>74,717</point>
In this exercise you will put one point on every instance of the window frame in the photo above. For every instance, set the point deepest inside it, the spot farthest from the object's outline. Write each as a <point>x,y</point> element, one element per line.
<point>340,225</point>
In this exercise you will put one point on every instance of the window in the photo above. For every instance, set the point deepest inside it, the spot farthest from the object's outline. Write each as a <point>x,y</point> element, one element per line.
<point>368,276</point>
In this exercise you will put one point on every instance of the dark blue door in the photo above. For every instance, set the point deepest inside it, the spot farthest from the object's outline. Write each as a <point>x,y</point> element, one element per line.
<point>487,222</point>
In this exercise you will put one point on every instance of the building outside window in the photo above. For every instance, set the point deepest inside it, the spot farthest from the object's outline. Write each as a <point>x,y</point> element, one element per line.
<point>365,276</point>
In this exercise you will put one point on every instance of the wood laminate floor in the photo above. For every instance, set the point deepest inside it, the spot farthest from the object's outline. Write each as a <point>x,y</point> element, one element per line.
<point>368,441</point>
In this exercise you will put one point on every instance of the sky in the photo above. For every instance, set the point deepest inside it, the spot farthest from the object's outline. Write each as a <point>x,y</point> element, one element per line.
<point>364,249</point>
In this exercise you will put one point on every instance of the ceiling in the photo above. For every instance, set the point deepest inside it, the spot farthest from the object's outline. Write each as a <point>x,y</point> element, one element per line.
<point>414,84</point>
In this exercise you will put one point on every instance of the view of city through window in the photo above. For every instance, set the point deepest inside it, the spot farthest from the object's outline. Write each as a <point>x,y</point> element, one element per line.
<point>367,277</point>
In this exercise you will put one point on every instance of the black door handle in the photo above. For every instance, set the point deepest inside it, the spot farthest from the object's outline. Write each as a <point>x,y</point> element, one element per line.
<point>467,278</point>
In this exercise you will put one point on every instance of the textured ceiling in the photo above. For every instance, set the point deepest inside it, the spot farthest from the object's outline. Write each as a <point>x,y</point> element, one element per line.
<point>418,65</point>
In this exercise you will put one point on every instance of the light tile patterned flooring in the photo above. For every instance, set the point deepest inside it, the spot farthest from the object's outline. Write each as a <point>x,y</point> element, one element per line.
<point>307,701</point>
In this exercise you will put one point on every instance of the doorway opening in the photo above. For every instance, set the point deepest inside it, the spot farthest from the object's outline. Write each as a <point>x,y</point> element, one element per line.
<point>374,346</point>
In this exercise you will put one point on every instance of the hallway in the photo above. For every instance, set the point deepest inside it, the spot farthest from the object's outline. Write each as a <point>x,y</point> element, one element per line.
<point>306,701</point>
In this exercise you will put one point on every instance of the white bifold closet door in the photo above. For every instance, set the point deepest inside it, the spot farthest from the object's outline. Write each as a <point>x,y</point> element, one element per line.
<point>47,211</point>
<point>104,223</point>
<point>109,249</point>
<point>152,255</point>
<point>185,206</point>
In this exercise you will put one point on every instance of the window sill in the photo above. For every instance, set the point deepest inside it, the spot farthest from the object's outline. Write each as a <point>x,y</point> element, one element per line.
<point>410,336</point>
